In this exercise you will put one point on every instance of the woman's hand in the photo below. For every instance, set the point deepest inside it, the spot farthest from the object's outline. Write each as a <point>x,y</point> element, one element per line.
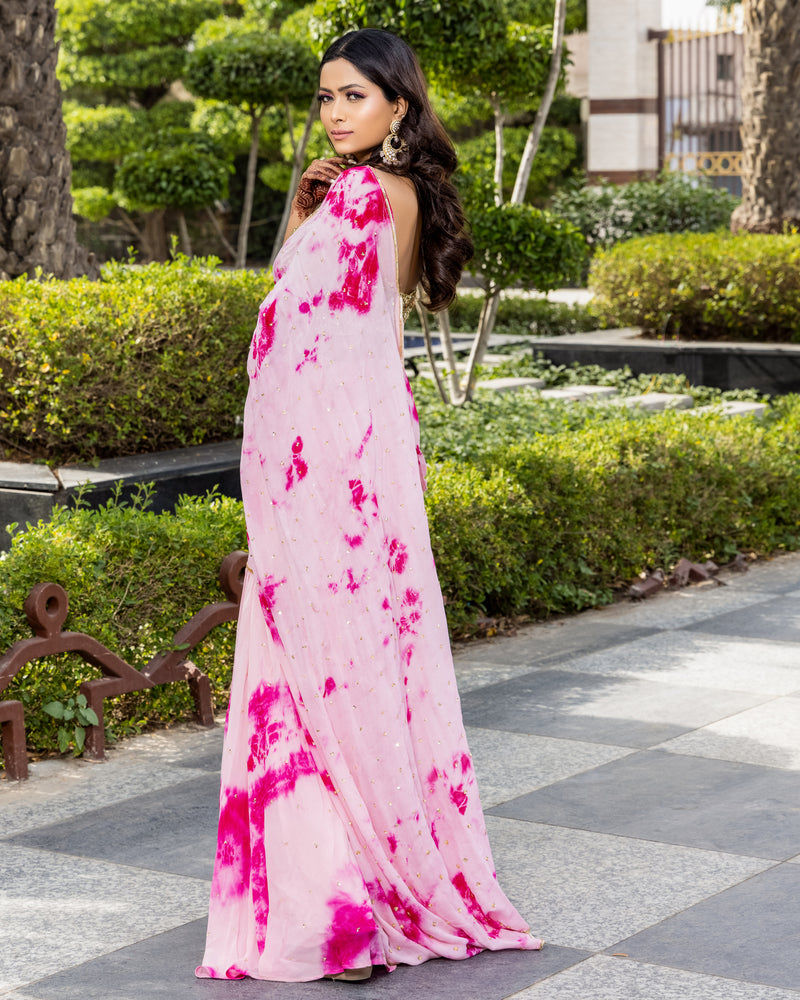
<point>314,185</point>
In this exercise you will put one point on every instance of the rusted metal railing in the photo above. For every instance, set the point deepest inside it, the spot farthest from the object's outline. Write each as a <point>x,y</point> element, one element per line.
<point>46,609</point>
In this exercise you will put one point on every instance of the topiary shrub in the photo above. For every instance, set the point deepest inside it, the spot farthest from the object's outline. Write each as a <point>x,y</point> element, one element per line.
<point>675,203</point>
<point>522,244</point>
<point>711,286</point>
<point>146,359</point>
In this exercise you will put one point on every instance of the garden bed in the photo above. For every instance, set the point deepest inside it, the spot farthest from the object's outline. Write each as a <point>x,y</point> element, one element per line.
<point>771,369</point>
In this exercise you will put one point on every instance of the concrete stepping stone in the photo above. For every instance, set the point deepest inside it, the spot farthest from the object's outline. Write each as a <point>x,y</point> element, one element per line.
<point>658,401</point>
<point>499,359</point>
<point>511,384</point>
<point>489,361</point>
<point>576,392</point>
<point>735,408</point>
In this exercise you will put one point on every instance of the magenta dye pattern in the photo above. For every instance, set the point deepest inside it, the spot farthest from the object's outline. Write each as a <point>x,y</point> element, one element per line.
<point>351,830</point>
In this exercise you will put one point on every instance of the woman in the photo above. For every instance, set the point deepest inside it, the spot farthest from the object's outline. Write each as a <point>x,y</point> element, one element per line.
<point>351,833</point>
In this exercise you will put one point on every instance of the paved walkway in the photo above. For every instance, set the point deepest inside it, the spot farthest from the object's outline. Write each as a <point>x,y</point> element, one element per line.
<point>639,767</point>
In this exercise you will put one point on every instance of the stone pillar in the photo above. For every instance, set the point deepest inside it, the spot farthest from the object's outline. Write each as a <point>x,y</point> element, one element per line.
<point>623,89</point>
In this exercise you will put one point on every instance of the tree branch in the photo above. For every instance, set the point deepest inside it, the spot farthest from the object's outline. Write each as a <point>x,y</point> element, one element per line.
<point>230,248</point>
<point>535,134</point>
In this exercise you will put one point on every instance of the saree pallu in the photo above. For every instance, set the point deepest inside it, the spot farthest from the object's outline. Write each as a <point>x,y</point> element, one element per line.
<point>350,831</point>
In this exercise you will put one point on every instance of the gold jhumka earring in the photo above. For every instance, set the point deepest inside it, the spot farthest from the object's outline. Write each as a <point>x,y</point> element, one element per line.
<point>393,145</point>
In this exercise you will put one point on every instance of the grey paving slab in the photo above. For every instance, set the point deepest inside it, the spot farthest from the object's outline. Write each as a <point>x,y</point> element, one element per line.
<point>776,575</point>
<point>474,674</point>
<point>168,833</point>
<point>777,618</point>
<point>164,966</point>
<point>702,660</point>
<point>606,978</point>
<point>60,910</point>
<point>679,608</point>
<point>62,788</point>
<point>749,932</point>
<point>589,890</point>
<point>712,804</point>
<point>767,734</point>
<point>185,745</point>
<point>19,815</point>
<point>601,709</point>
<point>509,764</point>
<point>551,642</point>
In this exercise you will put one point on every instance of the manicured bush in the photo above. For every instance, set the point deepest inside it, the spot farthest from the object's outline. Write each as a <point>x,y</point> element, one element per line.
<point>609,213</point>
<point>711,286</point>
<point>148,358</point>
<point>133,578</point>
<point>520,244</point>
<point>536,523</point>
<point>588,511</point>
<point>154,357</point>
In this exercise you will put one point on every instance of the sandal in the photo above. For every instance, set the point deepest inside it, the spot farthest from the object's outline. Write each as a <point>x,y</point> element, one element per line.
<point>352,975</point>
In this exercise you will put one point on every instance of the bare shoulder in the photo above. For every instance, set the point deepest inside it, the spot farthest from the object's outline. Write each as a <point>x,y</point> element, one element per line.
<point>401,193</point>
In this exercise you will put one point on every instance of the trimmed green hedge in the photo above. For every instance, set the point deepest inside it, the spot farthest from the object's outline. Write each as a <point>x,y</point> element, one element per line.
<point>552,523</point>
<point>153,357</point>
<point>149,358</point>
<point>556,522</point>
<point>713,286</point>
<point>133,578</point>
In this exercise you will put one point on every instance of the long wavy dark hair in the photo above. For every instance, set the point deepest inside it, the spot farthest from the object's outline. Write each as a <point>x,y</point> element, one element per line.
<point>390,63</point>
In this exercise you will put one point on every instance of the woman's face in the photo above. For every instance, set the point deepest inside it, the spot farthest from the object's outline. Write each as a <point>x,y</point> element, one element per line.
<point>354,111</point>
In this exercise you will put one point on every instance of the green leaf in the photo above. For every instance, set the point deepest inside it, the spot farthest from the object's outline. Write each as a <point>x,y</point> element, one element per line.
<point>89,717</point>
<point>80,739</point>
<point>54,708</point>
<point>63,740</point>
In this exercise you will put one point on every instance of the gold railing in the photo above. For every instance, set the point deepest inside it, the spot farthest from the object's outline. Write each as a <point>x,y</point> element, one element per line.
<point>717,164</point>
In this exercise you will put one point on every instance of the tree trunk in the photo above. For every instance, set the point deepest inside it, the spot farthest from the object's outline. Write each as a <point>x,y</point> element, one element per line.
<point>249,191</point>
<point>492,303</point>
<point>770,117</point>
<point>155,236</point>
<point>183,229</point>
<point>499,148</point>
<point>37,228</point>
<point>298,158</point>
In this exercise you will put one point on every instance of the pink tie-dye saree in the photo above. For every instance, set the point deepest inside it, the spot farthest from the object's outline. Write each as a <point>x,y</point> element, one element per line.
<point>350,831</point>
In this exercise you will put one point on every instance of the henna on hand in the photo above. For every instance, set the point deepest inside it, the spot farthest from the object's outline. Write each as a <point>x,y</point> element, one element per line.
<point>309,194</point>
<point>314,185</point>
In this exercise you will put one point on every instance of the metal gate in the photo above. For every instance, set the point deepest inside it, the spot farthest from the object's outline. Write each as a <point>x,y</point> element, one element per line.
<point>700,103</point>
